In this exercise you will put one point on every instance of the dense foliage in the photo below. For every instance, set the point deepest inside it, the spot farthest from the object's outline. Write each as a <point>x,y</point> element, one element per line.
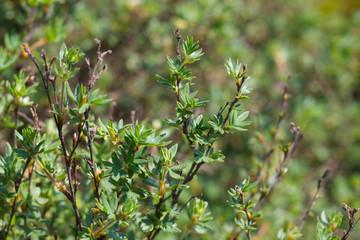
<point>98,152</point>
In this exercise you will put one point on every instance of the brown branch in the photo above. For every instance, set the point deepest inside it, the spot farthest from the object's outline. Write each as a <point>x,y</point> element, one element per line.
<point>90,161</point>
<point>133,120</point>
<point>291,148</point>
<point>16,125</point>
<point>352,220</point>
<point>316,196</point>
<point>46,77</point>
<point>191,198</point>
<point>269,153</point>
<point>178,38</point>
<point>25,117</point>
<point>95,73</point>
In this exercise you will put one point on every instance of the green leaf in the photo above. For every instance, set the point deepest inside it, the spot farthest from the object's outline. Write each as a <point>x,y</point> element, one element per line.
<point>83,108</point>
<point>55,30</point>
<point>151,182</point>
<point>62,52</point>
<point>21,153</point>
<point>245,89</point>
<point>237,122</point>
<point>6,59</point>
<point>140,161</point>
<point>234,69</point>
<point>163,81</point>
<point>173,151</point>
<point>70,94</point>
<point>216,126</point>
<point>242,117</point>
<point>174,66</point>
<point>191,50</point>
<point>113,203</point>
<point>13,41</point>
<point>19,137</point>
<point>174,175</point>
<point>176,168</point>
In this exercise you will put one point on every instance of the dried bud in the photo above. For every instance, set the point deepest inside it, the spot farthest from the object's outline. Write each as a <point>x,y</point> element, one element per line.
<point>87,62</point>
<point>294,129</point>
<point>97,41</point>
<point>106,52</point>
<point>244,68</point>
<point>43,54</point>
<point>177,33</point>
<point>52,60</point>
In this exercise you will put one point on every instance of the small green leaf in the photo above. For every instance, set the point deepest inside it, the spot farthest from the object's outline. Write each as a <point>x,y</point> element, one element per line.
<point>70,94</point>
<point>83,108</point>
<point>21,153</point>
<point>62,53</point>
<point>174,175</point>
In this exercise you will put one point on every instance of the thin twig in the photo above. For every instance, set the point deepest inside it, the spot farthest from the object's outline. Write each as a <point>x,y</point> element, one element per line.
<point>95,74</point>
<point>192,197</point>
<point>24,116</point>
<point>90,162</point>
<point>221,110</point>
<point>261,132</point>
<point>16,111</point>
<point>133,121</point>
<point>352,220</point>
<point>46,77</point>
<point>268,154</point>
<point>295,130</point>
<point>178,38</point>
<point>316,196</point>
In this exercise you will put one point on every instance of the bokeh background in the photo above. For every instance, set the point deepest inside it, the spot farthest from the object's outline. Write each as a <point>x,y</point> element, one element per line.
<point>317,42</point>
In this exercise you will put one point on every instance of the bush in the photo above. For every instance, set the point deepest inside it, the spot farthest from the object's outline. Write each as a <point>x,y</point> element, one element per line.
<point>136,174</point>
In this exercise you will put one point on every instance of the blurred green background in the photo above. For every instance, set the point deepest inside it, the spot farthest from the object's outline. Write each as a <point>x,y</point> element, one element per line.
<point>316,41</point>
